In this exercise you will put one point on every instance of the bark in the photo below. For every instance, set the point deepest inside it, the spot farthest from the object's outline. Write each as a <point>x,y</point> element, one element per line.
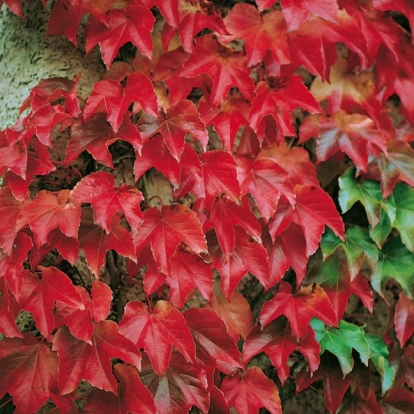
<point>28,55</point>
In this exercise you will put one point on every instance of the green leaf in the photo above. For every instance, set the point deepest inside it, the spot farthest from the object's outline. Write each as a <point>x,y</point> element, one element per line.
<point>404,220</point>
<point>358,246</point>
<point>395,261</point>
<point>382,230</point>
<point>340,342</point>
<point>368,193</point>
<point>379,356</point>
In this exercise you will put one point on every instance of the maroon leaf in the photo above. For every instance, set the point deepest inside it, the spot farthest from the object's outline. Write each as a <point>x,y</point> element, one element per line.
<point>132,395</point>
<point>37,364</point>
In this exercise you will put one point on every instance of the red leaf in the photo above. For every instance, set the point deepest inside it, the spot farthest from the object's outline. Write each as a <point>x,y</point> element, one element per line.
<point>166,229</point>
<point>157,331</point>
<point>248,393</point>
<point>314,209</point>
<point>193,18</point>
<point>188,272</point>
<point>297,12</point>
<point>404,319</point>
<point>277,341</point>
<point>248,256</point>
<point>226,68</point>
<point>265,180</point>
<point>45,120</point>
<point>29,373</point>
<point>279,100</point>
<point>225,215</point>
<point>47,212</point>
<point>133,24</point>
<point>106,200</point>
<point>132,395</point>
<point>357,403</point>
<point>173,125</point>
<point>288,250</point>
<point>214,176</point>
<point>182,386</point>
<point>263,33</point>
<point>294,160</point>
<point>11,267</point>
<point>155,154</point>
<point>92,363</point>
<point>398,401</point>
<point>96,136</point>
<point>38,163</point>
<point>227,118</point>
<point>215,347</point>
<point>9,211</point>
<point>80,321</point>
<point>235,313</point>
<point>95,242</point>
<point>218,404</point>
<point>52,90</point>
<point>8,325</point>
<point>38,296</point>
<point>65,18</point>
<point>110,97</point>
<point>13,156</point>
<point>298,308</point>
<point>334,382</point>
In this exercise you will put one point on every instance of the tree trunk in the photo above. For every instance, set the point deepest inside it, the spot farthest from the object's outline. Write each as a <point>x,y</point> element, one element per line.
<point>28,55</point>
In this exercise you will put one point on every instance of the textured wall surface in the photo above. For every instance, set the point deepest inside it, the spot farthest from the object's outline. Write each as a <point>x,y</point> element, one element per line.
<point>28,55</point>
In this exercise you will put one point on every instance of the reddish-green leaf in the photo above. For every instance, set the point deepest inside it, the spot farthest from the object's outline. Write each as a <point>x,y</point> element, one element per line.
<point>82,361</point>
<point>132,395</point>
<point>251,390</point>
<point>165,229</point>
<point>157,331</point>
<point>29,373</point>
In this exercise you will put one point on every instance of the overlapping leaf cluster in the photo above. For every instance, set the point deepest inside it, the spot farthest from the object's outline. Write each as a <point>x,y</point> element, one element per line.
<point>251,112</point>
